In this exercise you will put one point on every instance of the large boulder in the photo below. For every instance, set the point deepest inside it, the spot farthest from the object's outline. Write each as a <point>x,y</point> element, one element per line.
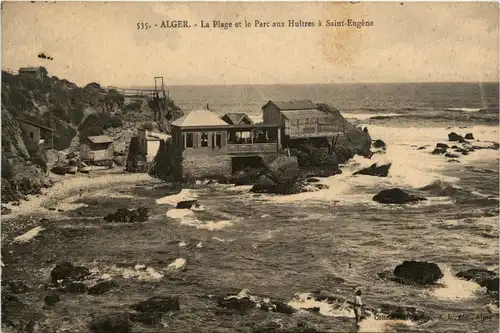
<point>159,304</point>
<point>126,215</point>
<point>235,303</point>
<point>186,204</point>
<point>396,196</point>
<point>438,151</point>
<point>51,299</point>
<point>379,144</point>
<point>418,272</point>
<point>375,170</point>
<point>15,287</point>
<point>102,287</point>
<point>469,136</point>
<point>455,137</point>
<point>442,145</point>
<point>477,275</point>
<point>111,323</point>
<point>492,284</point>
<point>67,272</point>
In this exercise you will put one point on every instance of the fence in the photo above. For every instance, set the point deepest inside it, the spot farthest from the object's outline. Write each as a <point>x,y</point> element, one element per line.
<point>127,92</point>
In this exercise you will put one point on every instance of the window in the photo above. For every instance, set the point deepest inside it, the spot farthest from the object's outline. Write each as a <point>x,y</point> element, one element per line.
<point>189,140</point>
<point>204,139</point>
<point>218,140</point>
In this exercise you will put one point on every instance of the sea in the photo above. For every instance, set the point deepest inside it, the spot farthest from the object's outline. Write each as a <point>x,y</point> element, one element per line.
<point>286,247</point>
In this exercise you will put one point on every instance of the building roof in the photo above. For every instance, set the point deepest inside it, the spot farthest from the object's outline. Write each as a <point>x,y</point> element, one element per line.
<point>303,114</point>
<point>30,69</point>
<point>36,124</point>
<point>199,118</point>
<point>293,104</point>
<point>100,139</point>
<point>236,118</point>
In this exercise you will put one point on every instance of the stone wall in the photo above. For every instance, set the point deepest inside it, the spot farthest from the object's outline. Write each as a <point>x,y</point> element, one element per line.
<point>201,166</point>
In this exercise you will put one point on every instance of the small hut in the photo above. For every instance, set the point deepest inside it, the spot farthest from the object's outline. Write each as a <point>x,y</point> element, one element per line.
<point>97,149</point>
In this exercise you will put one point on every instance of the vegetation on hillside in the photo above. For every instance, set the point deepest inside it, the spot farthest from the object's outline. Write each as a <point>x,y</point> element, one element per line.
<point>73,112</point>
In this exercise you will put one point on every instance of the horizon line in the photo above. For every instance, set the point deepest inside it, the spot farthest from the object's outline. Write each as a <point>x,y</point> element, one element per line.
<point>303,84</point>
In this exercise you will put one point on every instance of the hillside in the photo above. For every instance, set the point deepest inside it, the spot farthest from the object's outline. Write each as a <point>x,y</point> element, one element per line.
<point>74,112</point>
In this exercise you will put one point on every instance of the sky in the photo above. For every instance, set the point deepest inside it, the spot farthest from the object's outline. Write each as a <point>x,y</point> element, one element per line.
<point>100,42</point>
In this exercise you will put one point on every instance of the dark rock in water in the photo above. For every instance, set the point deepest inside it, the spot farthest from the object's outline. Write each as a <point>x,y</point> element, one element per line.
<point>6,211</point>
<point>15,287</point>
<point>396,312</point>
<point>454,147</point>
<point>126,215</point>
<point>51,299</point>
<point>149,318</point>
<point>418,272</point>
<point>477,275</point>
<point>375,170</point>
<point>469,136</point>
<point>312,180</point>
<point>492,284</point>
<point>453,161</point>
<point>451,155</point>
<point>442,145</point>
<point>160,304</point>
<point>102,287</point>
<point>73,287</point>
<point>421,148</point>
<point>66,271</point>
<point>396,196</point>
<point>238,304</point>
<point>186,204</point>
<point>277,306</point>
<point>44,220</point>
<point>438,151</point>
<point>111,323</point>
<point>455,137</point>
<point>379,144</point>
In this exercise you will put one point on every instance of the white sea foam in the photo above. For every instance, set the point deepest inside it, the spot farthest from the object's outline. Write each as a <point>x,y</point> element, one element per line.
<point>178,263</point>
<point>188,217</point>
<point>143,274</point>
<point>364,116</point>
<point>27,236</point>
<point>371,324</point>
<point>307,301</point>
<point>410,168</point>
<point>455,288</point>
<point>184,194</point>
<point>465,109</point>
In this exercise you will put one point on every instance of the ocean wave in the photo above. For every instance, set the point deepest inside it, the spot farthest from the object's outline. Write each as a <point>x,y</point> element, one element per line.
<point>365,116</point>
<point>454,288</point>
<point>465,109</point>
<point>188,217</point>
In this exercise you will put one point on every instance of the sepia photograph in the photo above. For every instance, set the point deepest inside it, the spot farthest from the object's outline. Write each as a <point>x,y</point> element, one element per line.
<point>249,167</point>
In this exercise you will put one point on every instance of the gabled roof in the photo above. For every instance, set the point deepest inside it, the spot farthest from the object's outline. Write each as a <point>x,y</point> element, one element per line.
<point>237,118</point>
<point>199,118</point>
<point>302,114</point>
<point>29,69</point>
<point>35,124</point>
<point>100,139</point>
<point>293,104</point>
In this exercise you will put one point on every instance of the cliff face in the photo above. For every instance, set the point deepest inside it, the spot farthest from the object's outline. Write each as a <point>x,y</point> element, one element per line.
<point>73,112</point>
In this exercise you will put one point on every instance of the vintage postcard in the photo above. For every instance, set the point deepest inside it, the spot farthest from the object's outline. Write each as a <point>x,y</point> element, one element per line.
<point>250,167</point>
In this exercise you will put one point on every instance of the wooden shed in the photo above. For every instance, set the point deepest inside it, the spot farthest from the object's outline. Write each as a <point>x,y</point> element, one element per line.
<point>96,148</point>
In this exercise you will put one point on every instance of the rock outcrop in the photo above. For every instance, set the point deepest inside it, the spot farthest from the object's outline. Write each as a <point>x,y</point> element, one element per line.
<point>417,272</point>
<point>72,112</point>
<point>375,170</point>
<point>396,196</point>
<point>65,271</point>
<point>128,215</point>
<point>115,322</point>
<point>158,304</point>
<point>483,277</point>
